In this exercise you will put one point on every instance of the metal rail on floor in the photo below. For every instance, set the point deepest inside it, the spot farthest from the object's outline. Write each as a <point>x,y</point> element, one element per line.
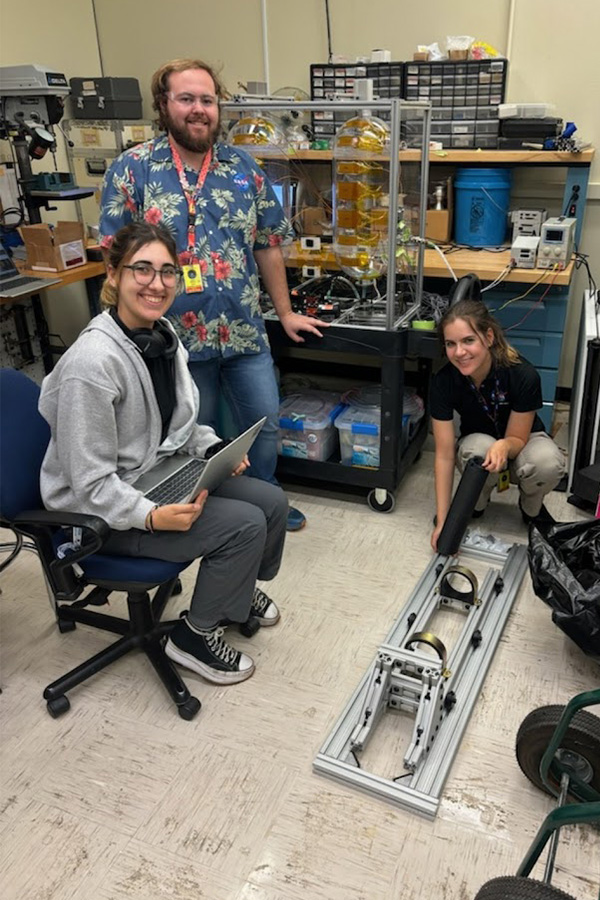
<point>442,692</point>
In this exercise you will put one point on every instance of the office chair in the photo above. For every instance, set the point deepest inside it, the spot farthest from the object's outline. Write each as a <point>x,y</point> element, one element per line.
<point>85,577</point>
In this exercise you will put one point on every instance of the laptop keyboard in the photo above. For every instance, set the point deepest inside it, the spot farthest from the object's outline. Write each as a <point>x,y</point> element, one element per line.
<point>177,486</point>
<point>19,281</point>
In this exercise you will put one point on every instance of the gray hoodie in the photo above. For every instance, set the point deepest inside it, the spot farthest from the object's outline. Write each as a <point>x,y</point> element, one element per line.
<point>105,426</point>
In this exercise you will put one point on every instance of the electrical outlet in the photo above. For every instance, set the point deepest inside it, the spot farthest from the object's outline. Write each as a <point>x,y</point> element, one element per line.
<point>310,243</point>
<point>311,271</point>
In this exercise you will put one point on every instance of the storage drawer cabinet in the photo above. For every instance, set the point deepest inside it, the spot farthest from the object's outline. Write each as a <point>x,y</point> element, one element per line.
<point>529,314</point>
<point>540,349</point>
<point>548,377</point>
<point>546,414</point>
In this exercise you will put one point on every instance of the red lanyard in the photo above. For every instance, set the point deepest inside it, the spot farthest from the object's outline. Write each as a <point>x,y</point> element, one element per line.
<point>190,194</point>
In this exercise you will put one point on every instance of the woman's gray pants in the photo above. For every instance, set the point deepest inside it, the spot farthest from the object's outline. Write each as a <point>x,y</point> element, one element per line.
<point>240,537</point>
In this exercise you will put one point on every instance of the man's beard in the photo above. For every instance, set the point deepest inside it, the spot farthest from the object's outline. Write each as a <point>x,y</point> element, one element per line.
<point>182,136</point>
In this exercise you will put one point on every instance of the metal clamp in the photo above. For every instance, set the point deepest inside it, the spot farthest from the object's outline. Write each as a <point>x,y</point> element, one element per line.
<point>426,637</point>
<point>445,589</point>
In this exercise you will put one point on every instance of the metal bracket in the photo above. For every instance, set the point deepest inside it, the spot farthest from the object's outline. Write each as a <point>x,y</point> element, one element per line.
<point>441,693</point>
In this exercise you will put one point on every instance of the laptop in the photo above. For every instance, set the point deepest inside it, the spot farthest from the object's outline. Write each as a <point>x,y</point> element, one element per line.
<point>13,285</point>
<point>179,479</point>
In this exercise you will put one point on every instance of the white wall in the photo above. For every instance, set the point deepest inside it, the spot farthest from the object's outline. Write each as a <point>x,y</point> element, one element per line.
<point>60,35</point>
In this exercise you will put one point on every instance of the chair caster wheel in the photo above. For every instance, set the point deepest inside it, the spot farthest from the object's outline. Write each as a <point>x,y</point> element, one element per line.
<point>250,627</point>
<point>177,588</point>
<point>183,613</point>
<point>64,625</point>
<point>189,709</point>
<point>58,706</point>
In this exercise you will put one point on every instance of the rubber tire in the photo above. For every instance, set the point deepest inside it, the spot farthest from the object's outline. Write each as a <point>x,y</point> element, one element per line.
<point>511,887</point>
<point>189,709</point>
<point>59,706</point>
<point>535,733</point>
<point>386,507</point>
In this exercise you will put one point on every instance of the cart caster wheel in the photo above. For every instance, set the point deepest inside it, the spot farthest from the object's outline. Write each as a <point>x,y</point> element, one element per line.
<point>64,625</point>
<point>58,706</point>
<point>578,754</point>
<point>381,500</point>
<point>512,887</point>
<point>189,709</point>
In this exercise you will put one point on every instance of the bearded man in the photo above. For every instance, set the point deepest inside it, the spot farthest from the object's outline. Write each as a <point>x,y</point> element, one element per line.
<point>229,227</point>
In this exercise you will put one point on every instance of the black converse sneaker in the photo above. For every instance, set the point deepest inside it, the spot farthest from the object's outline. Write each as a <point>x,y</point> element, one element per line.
<point>264,609</point>
<point>206,653</point>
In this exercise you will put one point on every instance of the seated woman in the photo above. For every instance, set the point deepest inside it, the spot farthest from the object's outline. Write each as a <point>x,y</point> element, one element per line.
<point>120,399</point>
<point>496,394</point>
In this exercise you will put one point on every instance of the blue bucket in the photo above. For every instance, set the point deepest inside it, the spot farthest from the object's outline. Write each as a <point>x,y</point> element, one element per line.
<point>482,198</point>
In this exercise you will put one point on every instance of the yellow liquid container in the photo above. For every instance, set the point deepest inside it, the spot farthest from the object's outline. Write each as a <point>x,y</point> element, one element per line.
<point>257,133</point>
<point>361,198</point>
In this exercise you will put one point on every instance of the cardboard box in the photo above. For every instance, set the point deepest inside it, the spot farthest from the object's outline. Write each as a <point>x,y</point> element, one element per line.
<point>314,220</point>
<point>54,249</point>
<point>438,222</point>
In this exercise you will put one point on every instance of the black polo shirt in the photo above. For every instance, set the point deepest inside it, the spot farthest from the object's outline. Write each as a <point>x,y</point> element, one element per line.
<point>519,389</point>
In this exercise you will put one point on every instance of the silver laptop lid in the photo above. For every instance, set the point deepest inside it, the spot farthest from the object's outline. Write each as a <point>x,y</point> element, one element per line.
<point>7,266</point>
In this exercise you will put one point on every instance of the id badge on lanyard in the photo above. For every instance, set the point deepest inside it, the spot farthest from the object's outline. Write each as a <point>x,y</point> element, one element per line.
<point>190,264</point>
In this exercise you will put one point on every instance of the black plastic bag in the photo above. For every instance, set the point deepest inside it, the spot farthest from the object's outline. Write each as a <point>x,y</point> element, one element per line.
<point>565,570</point>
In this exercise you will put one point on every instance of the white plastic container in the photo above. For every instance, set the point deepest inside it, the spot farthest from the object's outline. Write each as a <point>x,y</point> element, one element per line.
<point>525,110</point>
<point>306,429</point>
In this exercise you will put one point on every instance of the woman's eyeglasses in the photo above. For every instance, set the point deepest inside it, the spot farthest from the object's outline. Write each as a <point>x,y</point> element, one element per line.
<point>144,274</point>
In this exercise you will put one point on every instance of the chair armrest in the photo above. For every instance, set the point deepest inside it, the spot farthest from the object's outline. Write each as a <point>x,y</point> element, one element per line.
<point>41,525</point>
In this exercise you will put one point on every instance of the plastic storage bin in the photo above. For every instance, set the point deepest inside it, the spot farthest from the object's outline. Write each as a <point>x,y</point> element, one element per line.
<point>359,431</point>
<point>306,429</point>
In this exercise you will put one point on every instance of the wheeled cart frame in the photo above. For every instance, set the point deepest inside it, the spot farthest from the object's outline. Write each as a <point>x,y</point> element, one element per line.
<point>441,692</point>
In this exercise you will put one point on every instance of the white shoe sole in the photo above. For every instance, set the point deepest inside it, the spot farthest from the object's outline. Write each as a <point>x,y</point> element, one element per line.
<point>216,676</point>
<point>266,622</point>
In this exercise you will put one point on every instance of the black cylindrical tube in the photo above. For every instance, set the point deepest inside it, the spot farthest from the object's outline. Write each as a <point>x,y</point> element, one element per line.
<point>463,503</point>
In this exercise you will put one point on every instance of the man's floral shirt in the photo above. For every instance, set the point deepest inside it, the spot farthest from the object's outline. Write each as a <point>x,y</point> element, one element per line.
<point>237,213</point>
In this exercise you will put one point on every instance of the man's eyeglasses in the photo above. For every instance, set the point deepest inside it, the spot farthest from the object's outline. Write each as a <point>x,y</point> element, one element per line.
<point>190,100</point>
<point>144,274</point>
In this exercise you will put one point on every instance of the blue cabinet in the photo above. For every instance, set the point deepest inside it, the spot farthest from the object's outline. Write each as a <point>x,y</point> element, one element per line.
<point>534,326</point>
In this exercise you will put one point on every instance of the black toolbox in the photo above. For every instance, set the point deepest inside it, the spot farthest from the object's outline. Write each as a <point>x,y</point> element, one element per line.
<point>106,98</point>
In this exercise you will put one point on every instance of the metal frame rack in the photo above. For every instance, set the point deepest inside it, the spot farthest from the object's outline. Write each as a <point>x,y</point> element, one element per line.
<point>389,342</point>
<point>441,693</point>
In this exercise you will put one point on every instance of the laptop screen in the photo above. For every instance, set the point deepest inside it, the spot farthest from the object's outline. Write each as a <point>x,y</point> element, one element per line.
<point>7,266</point>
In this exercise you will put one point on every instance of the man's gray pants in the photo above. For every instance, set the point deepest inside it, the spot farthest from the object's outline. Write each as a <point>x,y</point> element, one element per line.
<point>536,470</point>
<point>240,537</point>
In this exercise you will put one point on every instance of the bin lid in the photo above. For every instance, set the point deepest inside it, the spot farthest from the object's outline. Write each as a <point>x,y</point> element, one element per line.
<point>310,410</point>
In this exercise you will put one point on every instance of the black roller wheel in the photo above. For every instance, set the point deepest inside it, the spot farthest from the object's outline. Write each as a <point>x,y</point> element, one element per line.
<point>384,506</point>
<point>64,625</point>
<point>511,887</point>
<point>58,706</point>
<point>189,709</point>
<point>250,627</point>
<point>177,588</point>
<point>579,752</point>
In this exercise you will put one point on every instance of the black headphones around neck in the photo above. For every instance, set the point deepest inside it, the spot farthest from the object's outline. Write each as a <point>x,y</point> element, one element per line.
<point>152,342</point>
